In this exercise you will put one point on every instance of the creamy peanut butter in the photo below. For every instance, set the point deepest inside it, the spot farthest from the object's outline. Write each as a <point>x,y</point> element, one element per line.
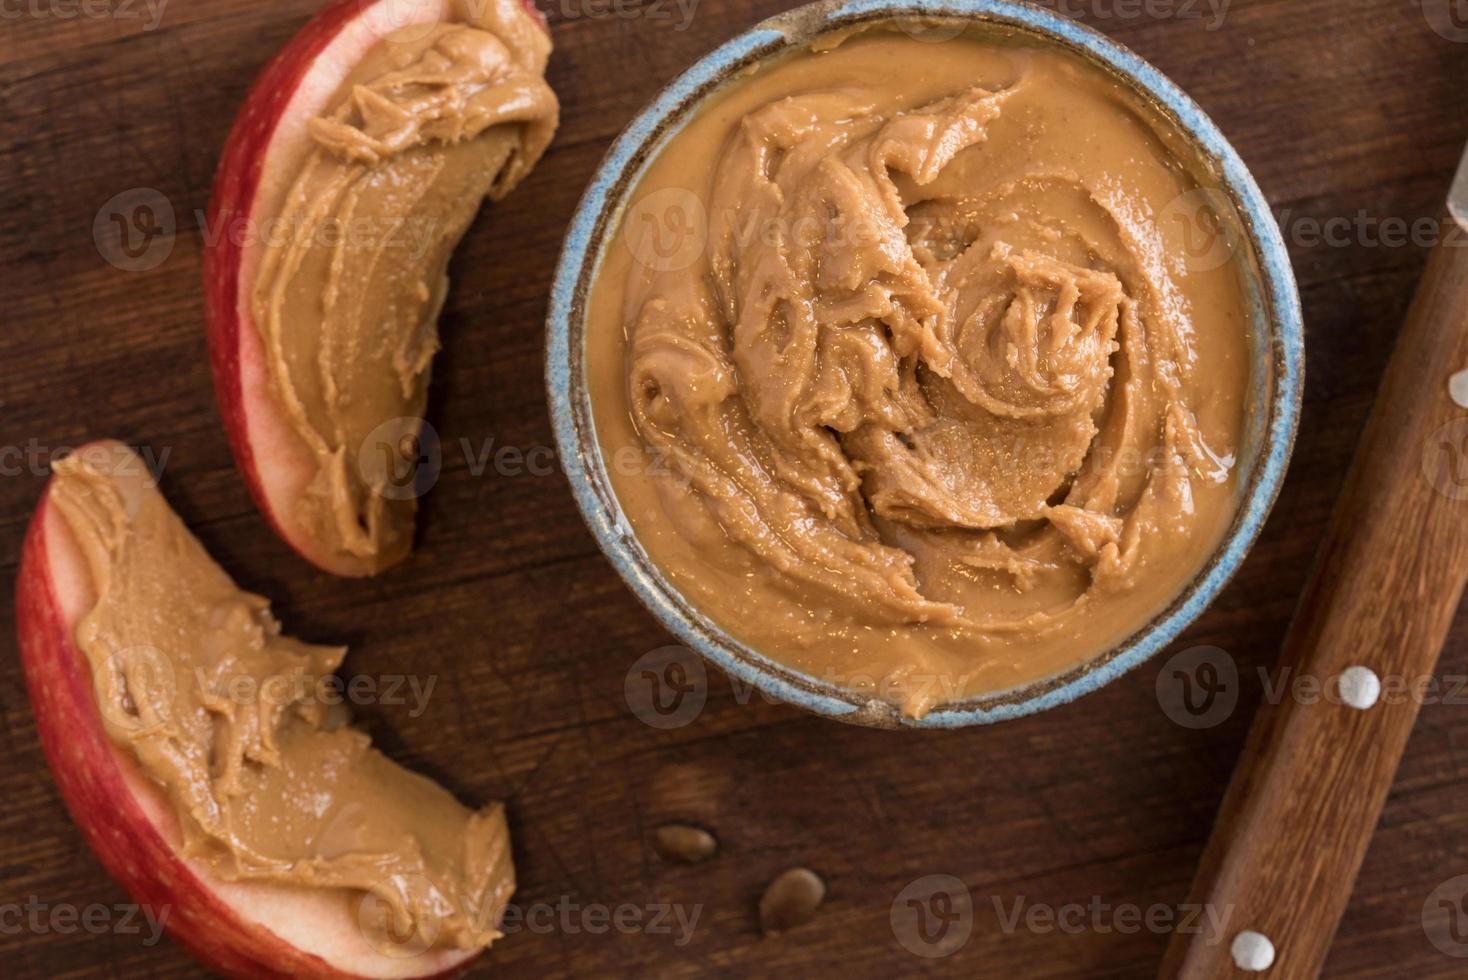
<point>905,369</point>
<point>236,725</point>
<point>353,274</point>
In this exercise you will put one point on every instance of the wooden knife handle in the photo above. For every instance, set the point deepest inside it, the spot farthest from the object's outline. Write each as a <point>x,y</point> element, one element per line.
<point>1297,817</point>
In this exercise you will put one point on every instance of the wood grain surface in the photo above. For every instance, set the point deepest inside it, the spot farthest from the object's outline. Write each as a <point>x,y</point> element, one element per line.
<point>1315,772</point>
<point>1066,829</point>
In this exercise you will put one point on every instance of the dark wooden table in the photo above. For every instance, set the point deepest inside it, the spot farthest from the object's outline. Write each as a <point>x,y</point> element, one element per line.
<point>1351,113</point>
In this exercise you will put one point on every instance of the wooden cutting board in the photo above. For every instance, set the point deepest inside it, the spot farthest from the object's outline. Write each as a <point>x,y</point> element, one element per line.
<point>1350,113</point>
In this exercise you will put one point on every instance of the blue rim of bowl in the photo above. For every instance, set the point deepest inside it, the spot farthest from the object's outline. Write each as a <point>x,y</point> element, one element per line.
<point>575,432</point>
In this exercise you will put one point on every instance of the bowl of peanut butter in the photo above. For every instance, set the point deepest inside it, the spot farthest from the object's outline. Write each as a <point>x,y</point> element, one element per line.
<point>924,364</point>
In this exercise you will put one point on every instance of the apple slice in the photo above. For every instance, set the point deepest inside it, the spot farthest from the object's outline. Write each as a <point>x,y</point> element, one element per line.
<point>238,928</point>
<point>269,139</point>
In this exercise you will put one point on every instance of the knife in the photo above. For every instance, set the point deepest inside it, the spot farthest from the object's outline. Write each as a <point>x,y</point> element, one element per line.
<point>1309,788</point>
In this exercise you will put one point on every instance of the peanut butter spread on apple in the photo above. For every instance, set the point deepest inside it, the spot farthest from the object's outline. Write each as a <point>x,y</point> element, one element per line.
<point>353,275</point>
<point>238,727</point>
<point>909,369</point>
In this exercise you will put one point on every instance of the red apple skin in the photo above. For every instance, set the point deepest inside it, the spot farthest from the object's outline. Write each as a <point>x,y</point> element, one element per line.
<point>270,457</point>
<point>123,816</point>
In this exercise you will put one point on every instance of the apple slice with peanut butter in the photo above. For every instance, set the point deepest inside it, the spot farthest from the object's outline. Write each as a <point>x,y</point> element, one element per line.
<point>358,161</point>
<point>192,745</point>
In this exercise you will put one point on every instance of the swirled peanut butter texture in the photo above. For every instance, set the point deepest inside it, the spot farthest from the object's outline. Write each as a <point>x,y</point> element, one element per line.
<point>236,725</point>
<point>353,277</point>
<point>907,373</point>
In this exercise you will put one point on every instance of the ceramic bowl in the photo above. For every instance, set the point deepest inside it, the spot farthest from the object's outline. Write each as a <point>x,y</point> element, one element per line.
<point>1276,371</point>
